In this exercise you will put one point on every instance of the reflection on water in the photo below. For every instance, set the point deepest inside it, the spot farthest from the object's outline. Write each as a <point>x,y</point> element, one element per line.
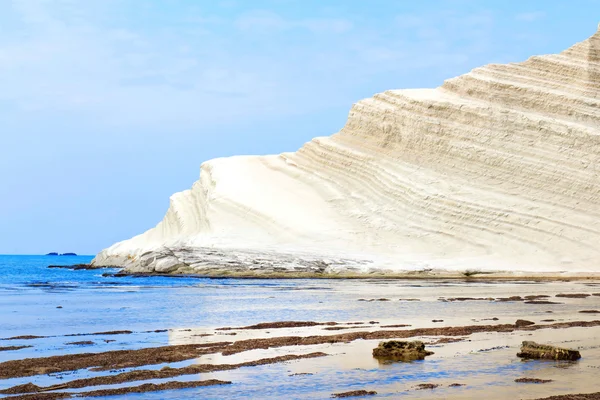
<point>31,294</point>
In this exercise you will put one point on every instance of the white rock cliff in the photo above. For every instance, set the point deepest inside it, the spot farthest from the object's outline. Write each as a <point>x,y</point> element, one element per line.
<point>497,169</point>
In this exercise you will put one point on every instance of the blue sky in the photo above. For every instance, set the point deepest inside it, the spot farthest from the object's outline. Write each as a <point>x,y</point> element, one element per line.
<point>107,107</point>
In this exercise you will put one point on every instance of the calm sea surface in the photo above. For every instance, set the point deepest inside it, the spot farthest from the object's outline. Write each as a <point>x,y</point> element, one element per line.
<point>36,300</point>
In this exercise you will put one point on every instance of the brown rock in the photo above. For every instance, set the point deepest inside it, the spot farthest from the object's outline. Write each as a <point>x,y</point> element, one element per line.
<point>26,388</point>
<point>354,393</point>
<point>522,322</point>
<point>422,386</point>
<point>9,348</point>
<point>533,380</point>
<point>536,296</point>
<point>511,298</point>
<point>401,351</point>
<point>24,337</point>
<point>546,352</point>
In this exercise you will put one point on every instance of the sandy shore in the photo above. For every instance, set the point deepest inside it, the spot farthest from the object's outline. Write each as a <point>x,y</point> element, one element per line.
<point>464,325</point>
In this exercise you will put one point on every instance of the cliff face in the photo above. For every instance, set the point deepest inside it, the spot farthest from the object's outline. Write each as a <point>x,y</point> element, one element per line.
<point>496,169</point>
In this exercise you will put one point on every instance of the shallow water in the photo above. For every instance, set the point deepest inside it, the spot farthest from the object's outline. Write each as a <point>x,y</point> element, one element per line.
<point>30,294</point>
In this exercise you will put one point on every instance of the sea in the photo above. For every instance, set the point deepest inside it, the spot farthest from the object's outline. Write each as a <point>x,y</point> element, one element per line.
<point>53,303</point>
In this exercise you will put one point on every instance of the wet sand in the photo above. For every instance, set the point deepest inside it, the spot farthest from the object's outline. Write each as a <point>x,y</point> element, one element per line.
<point>475,339</point>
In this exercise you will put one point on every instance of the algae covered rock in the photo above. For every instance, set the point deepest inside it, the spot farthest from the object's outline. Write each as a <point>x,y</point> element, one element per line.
<point>522,322</point>
<point>401,351</point>
<point>546,352</point>
<point>354,393</point>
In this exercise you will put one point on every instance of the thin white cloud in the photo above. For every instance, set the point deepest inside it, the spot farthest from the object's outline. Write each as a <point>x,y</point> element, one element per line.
<point>206,69</point>
<point>262,20</point>
<point>530,16</point>
<point>266,21</point>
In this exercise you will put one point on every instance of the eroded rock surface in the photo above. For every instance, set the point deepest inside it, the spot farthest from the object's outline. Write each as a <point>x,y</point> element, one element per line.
<point>495,170</point>
<point>547,352</point>
<point>395,350</point>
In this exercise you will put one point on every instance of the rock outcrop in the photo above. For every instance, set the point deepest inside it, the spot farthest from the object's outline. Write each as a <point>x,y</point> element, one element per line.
<point>395,350</point>
<point>546,352</point>
<point>496,170</point>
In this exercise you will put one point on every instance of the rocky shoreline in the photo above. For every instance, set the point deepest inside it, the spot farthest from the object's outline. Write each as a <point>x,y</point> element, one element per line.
<point>264,263</point>
<point>125,359</point>
<point>457,323</point>
<point>427,274</point>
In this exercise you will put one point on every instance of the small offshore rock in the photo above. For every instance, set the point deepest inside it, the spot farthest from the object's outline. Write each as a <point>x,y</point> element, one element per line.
<point>395,326</point>
<point>424,386</point>
<point>573,295</point>
<point>522,322</point>
<point>536,296</point>
<point>25,337</point>
<point>456,385</point>
<point>76,267</point>
<point>546,352</point>
<point>354,393</point>
<point>511,298</point>
<point>401,351</point>
<point>9,348</point>
<point>448,340</point>
<point>533,380</point>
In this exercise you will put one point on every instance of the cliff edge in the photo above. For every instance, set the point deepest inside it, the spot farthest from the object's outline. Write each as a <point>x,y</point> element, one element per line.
<point>496,170</point>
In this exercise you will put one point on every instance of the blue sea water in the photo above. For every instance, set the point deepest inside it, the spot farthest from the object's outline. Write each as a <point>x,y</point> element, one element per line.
<point>30,293</point>
<point>37,300</point>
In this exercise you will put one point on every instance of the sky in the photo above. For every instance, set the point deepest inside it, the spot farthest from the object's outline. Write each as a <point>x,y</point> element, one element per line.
<point>108,107</point>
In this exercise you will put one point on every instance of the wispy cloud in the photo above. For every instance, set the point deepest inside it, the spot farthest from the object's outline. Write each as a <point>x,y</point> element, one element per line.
<point>530,16</point>
<point>157,87</point>
<point>260,20</point>
<point>197,66</point>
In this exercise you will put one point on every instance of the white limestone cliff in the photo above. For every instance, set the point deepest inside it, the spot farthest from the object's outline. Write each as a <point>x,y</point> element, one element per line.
<point>497,169</point>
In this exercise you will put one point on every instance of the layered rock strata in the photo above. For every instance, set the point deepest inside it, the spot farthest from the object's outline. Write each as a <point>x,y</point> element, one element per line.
<point>496,170</point>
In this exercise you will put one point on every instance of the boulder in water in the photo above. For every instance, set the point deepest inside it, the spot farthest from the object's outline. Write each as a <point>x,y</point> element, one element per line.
<point>547,352</point>
<point>522,322</point>
<point>401,351</point>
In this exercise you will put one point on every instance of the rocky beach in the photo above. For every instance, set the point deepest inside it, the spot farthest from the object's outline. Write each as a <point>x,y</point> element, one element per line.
<point>299,338</point>
<point>443,244</point>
